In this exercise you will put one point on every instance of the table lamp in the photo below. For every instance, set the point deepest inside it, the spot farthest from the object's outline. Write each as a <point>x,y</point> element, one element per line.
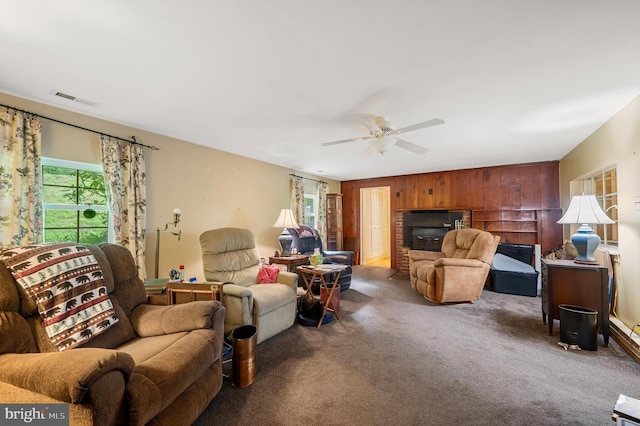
<point>585,210</point>
<point>176,220</point>
<point>284,221</point>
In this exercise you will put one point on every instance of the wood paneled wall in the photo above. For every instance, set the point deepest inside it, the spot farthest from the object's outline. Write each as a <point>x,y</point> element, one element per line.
<point>520,187</point>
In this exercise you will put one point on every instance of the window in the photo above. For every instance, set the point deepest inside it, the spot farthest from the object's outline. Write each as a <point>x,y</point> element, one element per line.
<point>74,202</point>
<point>604,185</point>
<point>311,210</point>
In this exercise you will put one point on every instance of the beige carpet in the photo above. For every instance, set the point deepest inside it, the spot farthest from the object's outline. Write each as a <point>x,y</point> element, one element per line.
<point>395,358</point>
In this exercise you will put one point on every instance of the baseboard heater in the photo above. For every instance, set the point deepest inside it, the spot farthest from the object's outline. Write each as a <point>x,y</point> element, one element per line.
<point>626,342</point>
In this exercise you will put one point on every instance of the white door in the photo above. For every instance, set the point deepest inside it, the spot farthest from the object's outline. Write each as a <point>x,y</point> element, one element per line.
<point>374,226</point>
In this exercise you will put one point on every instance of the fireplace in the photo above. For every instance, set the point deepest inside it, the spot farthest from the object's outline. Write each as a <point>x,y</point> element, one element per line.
<point>425,238</point>
<point>425,229</point>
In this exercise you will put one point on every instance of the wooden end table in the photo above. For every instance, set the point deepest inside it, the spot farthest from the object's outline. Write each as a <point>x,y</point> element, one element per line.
<point>191,292</point>
<point>565,282</point>
<point>291,262</point>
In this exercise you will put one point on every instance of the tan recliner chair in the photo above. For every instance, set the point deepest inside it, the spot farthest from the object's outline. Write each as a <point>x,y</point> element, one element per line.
<point>457,273</point>
<point>230,255</point>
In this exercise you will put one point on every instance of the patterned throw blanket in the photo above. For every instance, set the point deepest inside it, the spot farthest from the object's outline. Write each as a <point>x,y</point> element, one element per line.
<point>305,231</point>
<point>66,283</point>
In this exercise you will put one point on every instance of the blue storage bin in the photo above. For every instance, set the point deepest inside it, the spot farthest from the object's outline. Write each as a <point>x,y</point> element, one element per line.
<point>511,276</point>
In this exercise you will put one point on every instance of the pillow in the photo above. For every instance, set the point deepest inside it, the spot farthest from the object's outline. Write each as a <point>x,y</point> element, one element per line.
<point>66,283</point>
<point>268,274</point>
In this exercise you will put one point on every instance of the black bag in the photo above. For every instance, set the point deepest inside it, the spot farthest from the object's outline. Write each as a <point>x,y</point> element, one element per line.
<point>311,308</point>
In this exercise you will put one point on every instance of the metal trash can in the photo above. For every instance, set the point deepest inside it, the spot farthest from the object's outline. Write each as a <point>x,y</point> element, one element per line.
<point>579,326</point>
<point>244,355</point>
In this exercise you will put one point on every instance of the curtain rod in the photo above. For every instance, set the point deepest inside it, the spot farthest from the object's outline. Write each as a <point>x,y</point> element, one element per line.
<point>302,177</point>
<point>132,141</point>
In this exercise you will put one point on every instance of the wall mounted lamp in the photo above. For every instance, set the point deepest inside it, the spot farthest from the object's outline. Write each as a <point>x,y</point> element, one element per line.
<point>176,220</point>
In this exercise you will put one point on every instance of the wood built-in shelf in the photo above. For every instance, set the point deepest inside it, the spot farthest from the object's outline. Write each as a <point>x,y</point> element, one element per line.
<point>513,226</point>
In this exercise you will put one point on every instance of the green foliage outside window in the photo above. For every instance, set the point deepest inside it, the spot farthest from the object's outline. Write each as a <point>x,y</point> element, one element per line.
<point>81,199</point>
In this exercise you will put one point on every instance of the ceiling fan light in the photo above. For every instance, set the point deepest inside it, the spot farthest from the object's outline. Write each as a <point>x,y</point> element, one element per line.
<point>382,145</point>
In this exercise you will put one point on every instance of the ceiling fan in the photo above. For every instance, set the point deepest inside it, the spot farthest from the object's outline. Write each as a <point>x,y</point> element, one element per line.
<point>382,135</point>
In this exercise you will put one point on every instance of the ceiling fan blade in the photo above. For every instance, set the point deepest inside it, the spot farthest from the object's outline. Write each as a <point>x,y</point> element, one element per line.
<point>410,146</point>
<point>361,138</point>
<point>417,126</point>
<point>367,151</point>
<point>369,121</point>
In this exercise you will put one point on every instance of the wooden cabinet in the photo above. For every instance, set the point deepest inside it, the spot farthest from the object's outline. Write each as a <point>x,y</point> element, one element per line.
<point>334,222</point>
<point>565,282</point>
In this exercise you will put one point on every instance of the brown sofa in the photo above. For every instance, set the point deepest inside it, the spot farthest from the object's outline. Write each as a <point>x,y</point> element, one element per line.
<point>457,273</point>
<point>155,365</point>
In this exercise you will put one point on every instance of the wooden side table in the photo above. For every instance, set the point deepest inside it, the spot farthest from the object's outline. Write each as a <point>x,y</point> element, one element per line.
<point>191,292</point>
<point>309,274</point>
<point>565,282</point>
<point>291,262</point>
<point>157,291</point>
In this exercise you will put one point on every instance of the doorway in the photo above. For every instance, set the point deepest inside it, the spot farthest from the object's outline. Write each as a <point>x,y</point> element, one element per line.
<point>374,226</point>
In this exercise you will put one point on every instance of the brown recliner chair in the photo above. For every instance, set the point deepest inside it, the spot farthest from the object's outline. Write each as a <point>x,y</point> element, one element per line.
<point>457,273</point>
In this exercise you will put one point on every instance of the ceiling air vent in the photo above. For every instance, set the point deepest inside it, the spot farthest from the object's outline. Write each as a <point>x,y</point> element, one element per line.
<point>74,98</point>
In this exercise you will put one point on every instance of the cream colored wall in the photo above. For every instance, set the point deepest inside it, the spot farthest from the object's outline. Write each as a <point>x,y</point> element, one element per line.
<point>212,188</point>
<point>616,142</point>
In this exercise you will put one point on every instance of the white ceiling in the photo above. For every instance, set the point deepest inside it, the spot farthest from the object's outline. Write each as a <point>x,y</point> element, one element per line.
<point>515,80</point>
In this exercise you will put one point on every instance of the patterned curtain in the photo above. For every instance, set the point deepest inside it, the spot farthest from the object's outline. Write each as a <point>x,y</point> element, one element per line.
<point>322,212</point>
<point>20,180</point>
<point>297,199</point>
<point>124,172</point>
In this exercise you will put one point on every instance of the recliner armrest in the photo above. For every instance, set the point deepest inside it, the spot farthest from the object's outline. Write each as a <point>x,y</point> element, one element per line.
<point>288,278</point>
<point>341,257</point>
<point>236,290</point>
<point>155,320</point>
<point>453,261</point>
<point>65,376</point>
<point>417,255</point>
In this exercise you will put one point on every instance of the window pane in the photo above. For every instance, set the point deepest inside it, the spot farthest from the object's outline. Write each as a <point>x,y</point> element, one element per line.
<point>603,185</point>
<point>60,235</point>
<point>59,195</point>
<point>100,219</point>
<point>52,175</point>
<point>91,188</point>
<point>611,182</point>
<point>92,196</point>
<point>599,188</point>
<point>60,218</point>
<point>93,236</point>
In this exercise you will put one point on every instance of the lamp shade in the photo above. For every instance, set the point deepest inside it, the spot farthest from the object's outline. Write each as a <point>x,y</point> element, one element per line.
<point>286,220</point>
<point>585,209</point>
